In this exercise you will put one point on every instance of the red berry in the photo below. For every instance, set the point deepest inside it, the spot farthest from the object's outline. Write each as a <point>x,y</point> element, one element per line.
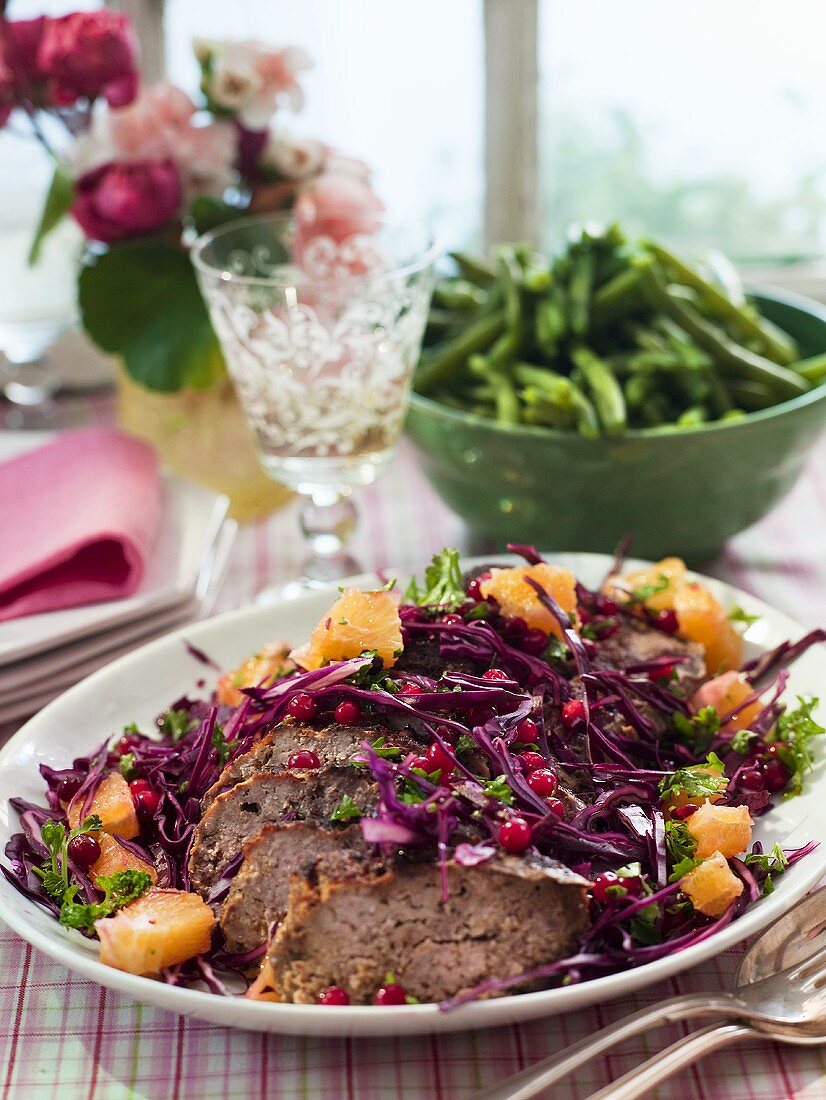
<point>606,606</point>
<point>302,706</point>
<point>542,782</point>
<point>84,850</point>
<point>452,619</point>
<point>474,589</point>
<point>515,835</point>
<point>138,785</point>
<point>572,712</point>
<point>304,758</point>
<point>533,760</point>
<point>774,748</point>
<point>438,760</point>
<point>682,812</point>
<point>661,672</point>
<point>68,787</point>
<point>752,779</point>
<point>556,806</point>
<point>348,713</point>
<point>534,641</point>
<point>515,630</point>
<point>633,884</point>
<point>775,775</point>
<point>335,995</point>
<point>667,621</point>
<point>421,763</point>
<point>409,689</point>
<point>527,732</point>
<point>390,994</point>
<point>602,884</point>
<point>495,674</point>
<point>146,803</point>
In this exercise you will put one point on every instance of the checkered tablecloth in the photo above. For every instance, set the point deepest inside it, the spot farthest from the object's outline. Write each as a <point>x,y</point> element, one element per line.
<point>66,1038</point>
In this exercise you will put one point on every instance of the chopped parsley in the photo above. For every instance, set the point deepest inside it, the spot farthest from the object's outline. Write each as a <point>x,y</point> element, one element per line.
<point>499,788</point>
<point>126,765</point>
<point>770,863</point>
<point>176,724</point>
<point>681,847</point>
<point>118,889</point>
<point>223,746</point>
<point>699,781</point>
<point>372,677</point>
<point>646,591</point>
<point>385,751</point>
<point>697,732</point>
<point>464,744</point>
<point>645,926</point>
<point>738,615</point>
<point>346,810</point>
<point>442,587</point>
<point>795,729</point>
<point>742,741</point>
<point>556,652</point>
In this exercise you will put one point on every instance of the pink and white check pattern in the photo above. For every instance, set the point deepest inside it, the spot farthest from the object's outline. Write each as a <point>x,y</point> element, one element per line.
<point>62,1037</point>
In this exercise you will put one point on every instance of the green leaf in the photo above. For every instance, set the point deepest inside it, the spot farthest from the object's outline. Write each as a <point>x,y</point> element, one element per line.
<point>176,724</point>
<point>738,615</point>
<point>119,889</point>
<point>681,847</point>
<point>140,300</point>
<point>208,213</point>
<point>59,198</point>
<point>346,810</point>
<point>646,591</point>
<point>770,863</point>
<point>795,729</point>
<point>699,781</point>
<point>442,586</point>
<point>698,731</point>
<point>126,765</point>
<point>499,788</point>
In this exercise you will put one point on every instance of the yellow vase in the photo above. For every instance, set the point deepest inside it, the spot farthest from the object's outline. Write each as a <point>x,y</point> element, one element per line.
<point>202,436</point>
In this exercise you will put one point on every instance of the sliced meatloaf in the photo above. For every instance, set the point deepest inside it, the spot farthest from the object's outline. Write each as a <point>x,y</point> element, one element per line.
<point>240,813</point>
<point>259,893</point>
<point>636,642</point>
<point>501,918</point>
<point>332,744</point>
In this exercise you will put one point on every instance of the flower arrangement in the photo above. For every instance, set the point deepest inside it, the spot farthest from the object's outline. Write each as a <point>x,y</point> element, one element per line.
<point>144,169</point>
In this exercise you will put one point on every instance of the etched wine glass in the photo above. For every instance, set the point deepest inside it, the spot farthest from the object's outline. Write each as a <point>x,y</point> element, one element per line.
<point>321,326</point>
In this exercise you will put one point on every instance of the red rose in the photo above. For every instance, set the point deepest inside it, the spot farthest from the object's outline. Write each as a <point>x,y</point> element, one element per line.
<point>19,72</point>
<point>88,54</point>
<point>127,199</point>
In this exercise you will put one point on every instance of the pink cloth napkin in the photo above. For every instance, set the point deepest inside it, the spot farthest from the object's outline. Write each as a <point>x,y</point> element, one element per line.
<point>78,520</point>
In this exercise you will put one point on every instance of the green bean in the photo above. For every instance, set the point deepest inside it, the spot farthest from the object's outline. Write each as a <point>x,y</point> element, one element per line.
<point>580,288</point>
<point>750,324</point>
<point>444,361</point>
<point>621,295</point>
<point>543,409</point>
<point>553,386</point>
<point>511,276</point>
<point>731,357</point>
<point>506,400</point>
<point>459,294</point>
<point>751,395</point>
<point>476,268</point>
<point>693,416</point>
<point>605,391</point>
<point>550,321</point>
<point>813,369</point>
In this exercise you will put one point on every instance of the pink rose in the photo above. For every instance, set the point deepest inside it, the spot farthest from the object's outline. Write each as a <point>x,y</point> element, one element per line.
<point>339,205</point>
<point>89,54</point>
<point>127,200</point>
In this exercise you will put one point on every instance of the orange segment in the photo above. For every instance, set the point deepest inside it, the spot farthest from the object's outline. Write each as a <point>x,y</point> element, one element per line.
<point>703,619</point>
<point>357,621</point>
<point>113,803</point>
<point>261,668</point>
<point>114,857</point>
<point>663,578</point>
<point>712,886</point>
<point>517,599</point>
<point>725,829</point>
<point>724,693</point>
<point>162,928</point>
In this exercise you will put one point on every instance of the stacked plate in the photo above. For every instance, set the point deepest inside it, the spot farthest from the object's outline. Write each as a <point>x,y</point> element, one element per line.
<point>42,655</point>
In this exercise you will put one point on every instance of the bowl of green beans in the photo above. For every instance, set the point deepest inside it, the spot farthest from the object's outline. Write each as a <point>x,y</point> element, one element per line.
<point>615,390</point>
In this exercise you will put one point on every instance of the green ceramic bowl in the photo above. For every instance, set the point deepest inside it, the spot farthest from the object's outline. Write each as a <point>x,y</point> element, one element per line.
<point>679,493</point>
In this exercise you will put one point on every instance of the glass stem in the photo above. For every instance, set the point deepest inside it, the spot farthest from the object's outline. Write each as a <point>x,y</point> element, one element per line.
<point>328,519</point>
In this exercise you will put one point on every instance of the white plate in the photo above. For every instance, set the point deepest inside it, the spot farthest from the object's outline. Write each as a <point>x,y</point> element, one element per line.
<point>136,687</point>
<point>191,520</point>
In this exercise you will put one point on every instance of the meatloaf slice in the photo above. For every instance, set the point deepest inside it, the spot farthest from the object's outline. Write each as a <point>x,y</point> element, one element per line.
<point>270,798</point>
<point>501,918</point>
<point>635,642</point>
<point>332,744</point>
<point>259,892</point>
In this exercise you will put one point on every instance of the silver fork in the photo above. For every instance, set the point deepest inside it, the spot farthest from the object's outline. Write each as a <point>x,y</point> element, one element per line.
<point>780,990</point>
